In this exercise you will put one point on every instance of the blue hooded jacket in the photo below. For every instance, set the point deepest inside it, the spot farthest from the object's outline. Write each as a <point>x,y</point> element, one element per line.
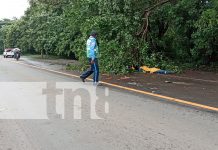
<point>92,48</point>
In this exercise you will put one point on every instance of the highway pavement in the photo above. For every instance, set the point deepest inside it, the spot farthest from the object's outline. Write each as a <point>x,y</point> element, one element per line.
<point>41,110</point>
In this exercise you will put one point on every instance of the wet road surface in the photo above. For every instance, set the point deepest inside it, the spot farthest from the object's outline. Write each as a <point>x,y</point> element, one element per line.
<point>132,121</point>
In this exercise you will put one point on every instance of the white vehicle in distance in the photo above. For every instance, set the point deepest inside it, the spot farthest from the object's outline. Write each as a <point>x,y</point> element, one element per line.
<point>8,52</point>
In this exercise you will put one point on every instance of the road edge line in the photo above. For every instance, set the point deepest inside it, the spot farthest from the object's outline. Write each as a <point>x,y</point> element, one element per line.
<point>129,89</point>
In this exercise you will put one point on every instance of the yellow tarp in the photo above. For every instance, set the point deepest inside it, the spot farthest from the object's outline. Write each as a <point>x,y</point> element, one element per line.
<point>151,70</point>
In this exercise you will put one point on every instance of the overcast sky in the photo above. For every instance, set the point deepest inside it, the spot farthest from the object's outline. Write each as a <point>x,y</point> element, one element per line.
<point>12,8</point>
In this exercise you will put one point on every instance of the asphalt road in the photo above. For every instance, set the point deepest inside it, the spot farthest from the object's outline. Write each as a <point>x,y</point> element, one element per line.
<point>31,119</point>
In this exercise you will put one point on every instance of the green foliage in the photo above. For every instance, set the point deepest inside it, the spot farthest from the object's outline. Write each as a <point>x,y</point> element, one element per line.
<point>179,31</point>
<point>206,37</point>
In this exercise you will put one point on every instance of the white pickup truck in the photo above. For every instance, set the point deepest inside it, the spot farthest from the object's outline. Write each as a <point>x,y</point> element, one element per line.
<point>8,53</point>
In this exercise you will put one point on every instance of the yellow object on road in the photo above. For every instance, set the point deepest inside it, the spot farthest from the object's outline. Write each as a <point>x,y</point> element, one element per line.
<point>151,70</point>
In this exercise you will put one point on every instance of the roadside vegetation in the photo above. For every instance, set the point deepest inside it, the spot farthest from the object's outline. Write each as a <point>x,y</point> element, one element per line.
<point>170,34</point>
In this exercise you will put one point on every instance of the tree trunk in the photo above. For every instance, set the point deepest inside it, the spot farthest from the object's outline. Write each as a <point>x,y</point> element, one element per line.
<point>42,56</point>
<point>144,28</point>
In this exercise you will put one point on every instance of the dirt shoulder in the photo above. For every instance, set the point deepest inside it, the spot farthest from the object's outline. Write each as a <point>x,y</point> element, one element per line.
<point>194,86</point>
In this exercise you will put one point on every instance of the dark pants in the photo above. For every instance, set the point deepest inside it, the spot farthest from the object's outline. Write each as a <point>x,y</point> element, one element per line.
<point>93,69</point>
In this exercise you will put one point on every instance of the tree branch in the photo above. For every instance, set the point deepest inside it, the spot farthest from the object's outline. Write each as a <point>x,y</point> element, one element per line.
<point>144,29</point>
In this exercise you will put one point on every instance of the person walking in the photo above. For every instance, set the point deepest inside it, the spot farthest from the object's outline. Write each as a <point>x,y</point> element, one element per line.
<point>92,55</point>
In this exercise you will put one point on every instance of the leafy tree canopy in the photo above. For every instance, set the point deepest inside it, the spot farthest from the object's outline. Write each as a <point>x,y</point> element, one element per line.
<point>158,33</point>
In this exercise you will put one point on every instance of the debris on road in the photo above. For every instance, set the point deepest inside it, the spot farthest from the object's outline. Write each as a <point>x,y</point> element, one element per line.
<point>155,70</point>
<point>132,83</point>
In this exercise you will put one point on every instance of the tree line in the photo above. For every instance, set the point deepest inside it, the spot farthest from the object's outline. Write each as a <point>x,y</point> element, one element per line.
<point>157,33</point>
